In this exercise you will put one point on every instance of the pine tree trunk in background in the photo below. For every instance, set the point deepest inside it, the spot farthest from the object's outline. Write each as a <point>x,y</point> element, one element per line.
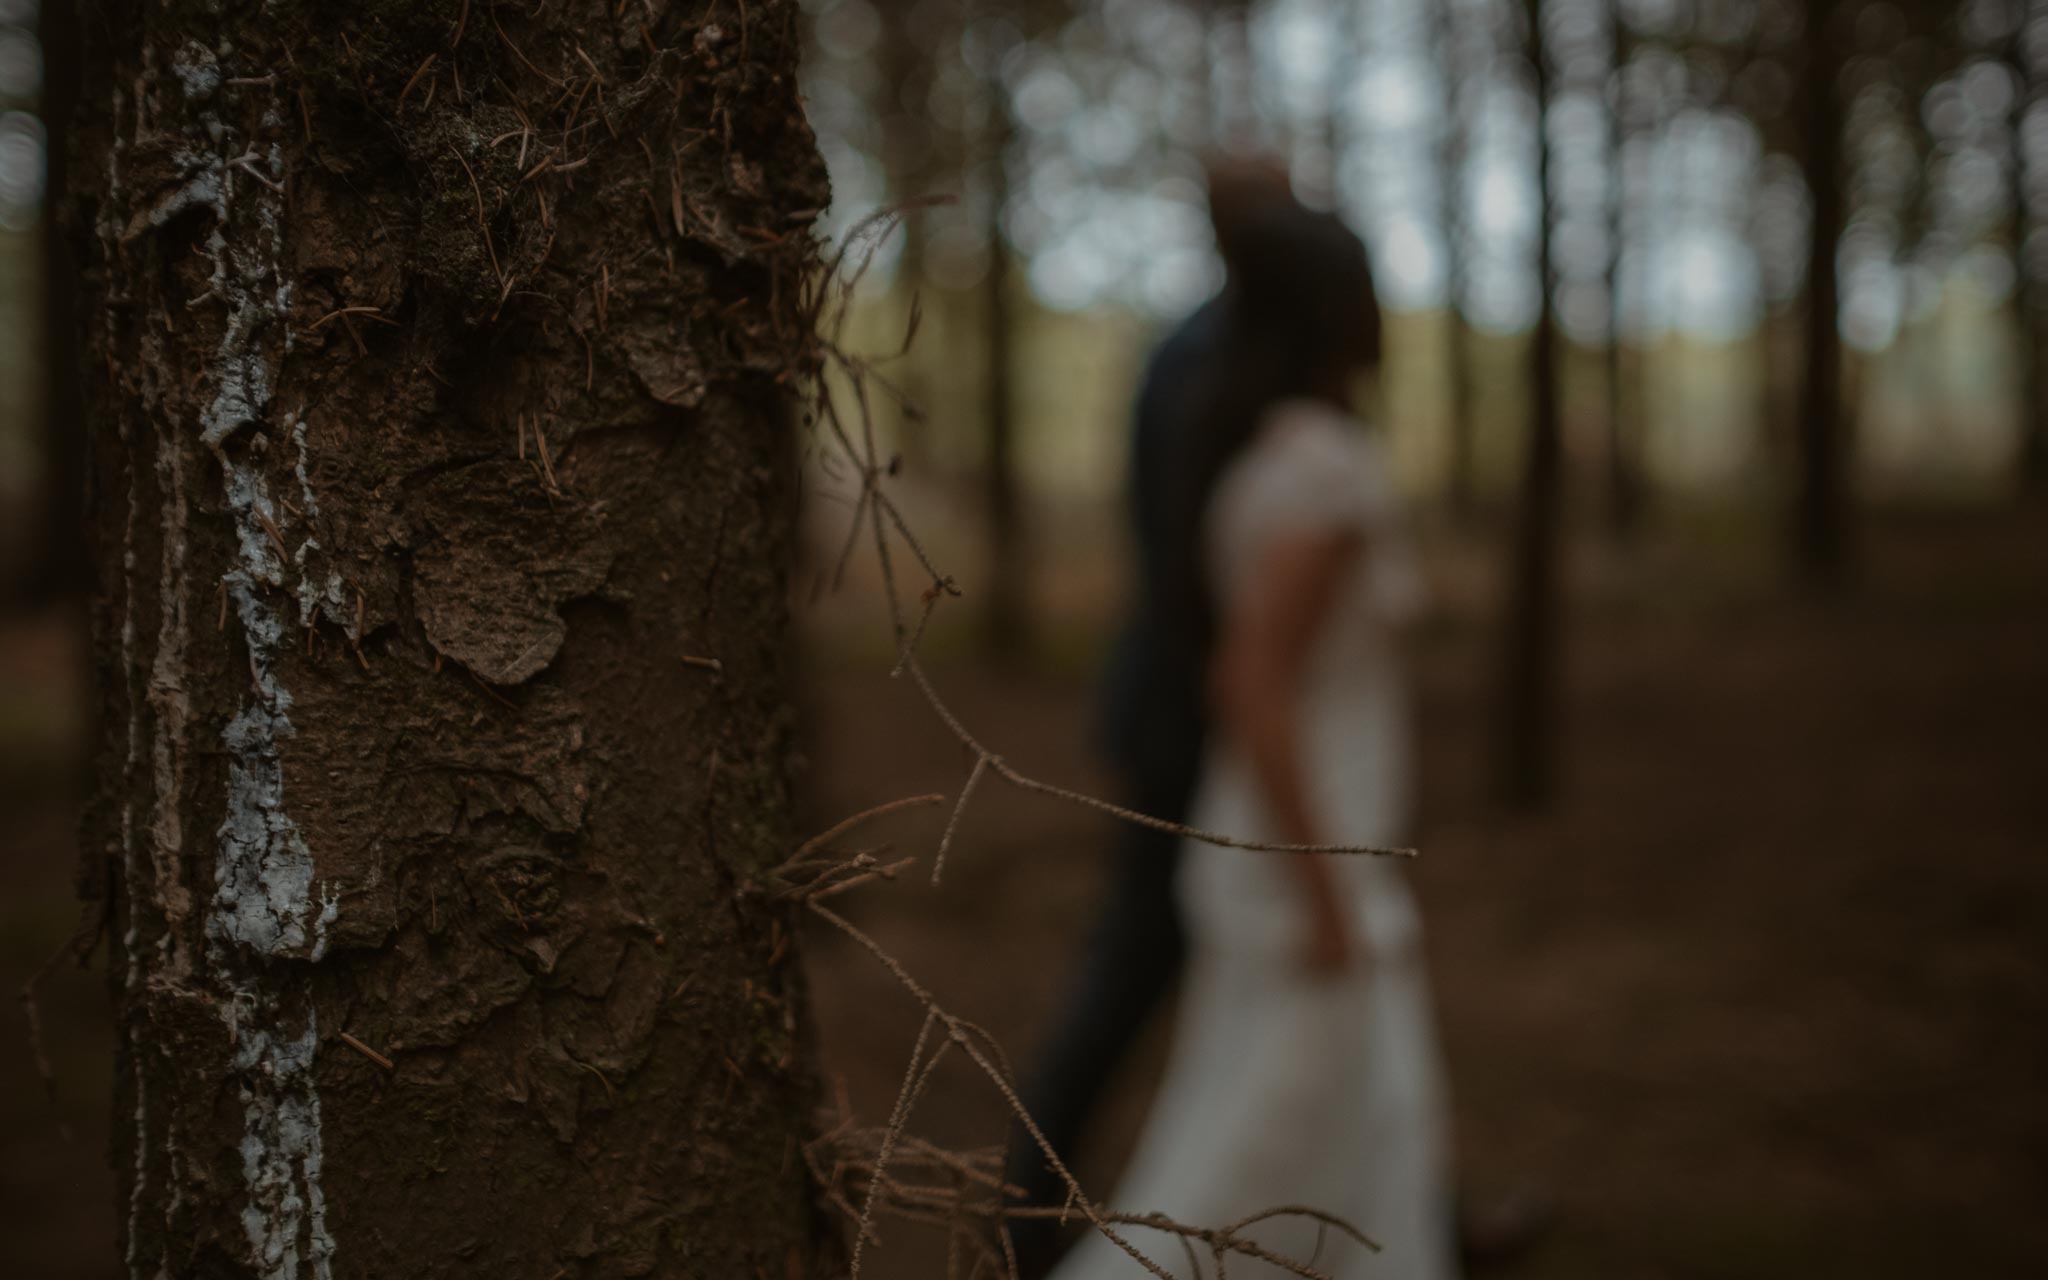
<point>1351,55</point>
<point>438,356</point>
<point>907,133</point>
<point>1464,481</point>
<point>1457,335</point>
<point>914,421</point>
<point>59,568</point>
<point>1525,772</point>
<point>2033,388</point>
<point>2027,289</point>
<point>1233,113</point>
<point>1624,466</point>
<point>1821,532</point>
<point>1624,462</point>
<point>1006,621</point>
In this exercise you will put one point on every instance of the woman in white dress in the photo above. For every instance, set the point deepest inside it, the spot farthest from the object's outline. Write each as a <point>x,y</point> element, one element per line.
<point>1304,1069</point>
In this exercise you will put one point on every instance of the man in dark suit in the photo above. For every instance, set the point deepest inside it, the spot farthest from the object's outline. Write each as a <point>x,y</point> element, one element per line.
<point>1152,723</point>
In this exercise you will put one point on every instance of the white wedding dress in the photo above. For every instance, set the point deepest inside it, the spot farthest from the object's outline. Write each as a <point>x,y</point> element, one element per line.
<point>1284,1089</point>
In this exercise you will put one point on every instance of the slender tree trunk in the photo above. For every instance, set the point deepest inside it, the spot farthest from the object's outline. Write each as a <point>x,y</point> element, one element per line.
<point>907,131</point>
<point>434,362</point>
<point>1236,120</point>
<point>1348,60</point>
<point>1526,766</point>
<point>913,418</point>
<point>1457,335</point>
<point>1821,525</point>
<point>1464,415</point>
<point>1007,619</point>
<point>1624,463</point>
<point>60,568</point>
<point>2027,289</point>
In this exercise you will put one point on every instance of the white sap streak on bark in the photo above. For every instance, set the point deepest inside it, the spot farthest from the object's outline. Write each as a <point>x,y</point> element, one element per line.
<point>281,1154</point>
<point>310,503</point>
<point>264,896</point>
<point>198,71</point>
<point>264,904</point>
<point>315,598</point>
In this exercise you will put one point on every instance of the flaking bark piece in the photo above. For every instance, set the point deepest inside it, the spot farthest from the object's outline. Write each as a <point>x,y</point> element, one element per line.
<point>490,602</point>
<point>667,370</point>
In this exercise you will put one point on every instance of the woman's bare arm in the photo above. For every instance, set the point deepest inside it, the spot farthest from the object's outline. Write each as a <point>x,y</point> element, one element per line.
<point>1262,656</point>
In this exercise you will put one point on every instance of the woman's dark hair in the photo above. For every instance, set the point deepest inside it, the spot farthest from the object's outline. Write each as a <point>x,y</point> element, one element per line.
<point>1300,321</point>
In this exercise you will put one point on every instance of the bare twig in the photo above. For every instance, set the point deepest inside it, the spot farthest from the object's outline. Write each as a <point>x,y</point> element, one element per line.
<point>865,816</point>
<point>981,764</point>
<point>906,1097</point>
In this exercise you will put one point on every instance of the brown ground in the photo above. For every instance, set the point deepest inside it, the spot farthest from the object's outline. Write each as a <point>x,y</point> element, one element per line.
<point>1765,996</point>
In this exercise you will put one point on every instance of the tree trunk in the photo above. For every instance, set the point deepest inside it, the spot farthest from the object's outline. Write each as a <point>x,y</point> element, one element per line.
<point>1351,47</point>
<point>1526,767</point>
<point>1821,533</point>
<point>437,360</point>
<point>2027,289</point>
<point>1007,618</point>
<point>58,567</point>
<point>1235,123</point>
<point>1457,336</point>
<point>1624,464</point>
<point>907,141</point>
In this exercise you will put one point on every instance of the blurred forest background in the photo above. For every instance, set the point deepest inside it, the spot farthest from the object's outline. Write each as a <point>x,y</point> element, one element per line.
<point>1714,377</point>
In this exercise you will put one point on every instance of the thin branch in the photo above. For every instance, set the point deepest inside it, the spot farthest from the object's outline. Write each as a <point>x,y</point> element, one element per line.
<point>865,816</point>
<point>953,824</point>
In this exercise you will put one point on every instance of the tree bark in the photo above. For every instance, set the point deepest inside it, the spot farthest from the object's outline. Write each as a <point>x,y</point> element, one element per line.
<point>437,360</point>
<point>1821,533</point>
<point>1526,764</point>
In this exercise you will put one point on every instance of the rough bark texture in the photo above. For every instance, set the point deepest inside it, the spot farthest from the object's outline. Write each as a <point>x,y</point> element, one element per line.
<point>401,757</point>
<point>1526,765</point>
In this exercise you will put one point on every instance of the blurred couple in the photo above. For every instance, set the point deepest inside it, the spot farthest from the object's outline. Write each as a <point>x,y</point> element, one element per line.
<point>1259,691</point>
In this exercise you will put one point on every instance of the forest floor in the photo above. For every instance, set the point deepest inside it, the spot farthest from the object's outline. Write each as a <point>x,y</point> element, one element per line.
<point>1764,995</point>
